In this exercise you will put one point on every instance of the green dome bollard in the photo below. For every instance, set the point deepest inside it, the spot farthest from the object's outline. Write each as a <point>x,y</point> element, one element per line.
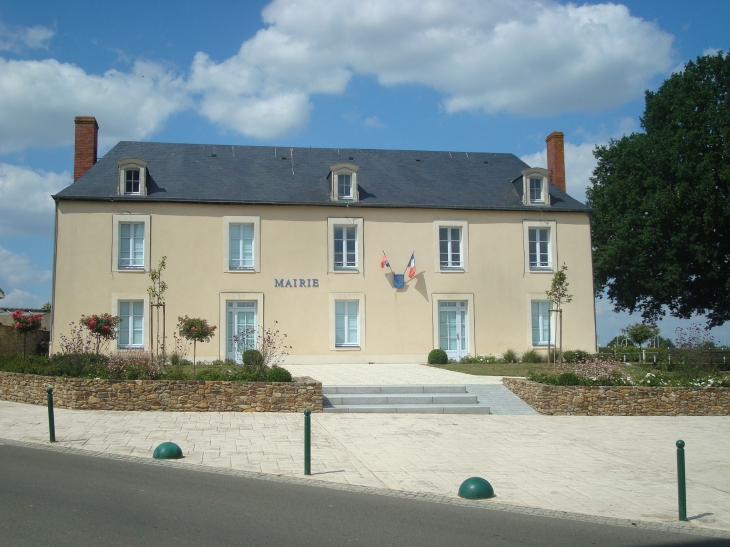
<point>476,488</point>
<point>168,451</point>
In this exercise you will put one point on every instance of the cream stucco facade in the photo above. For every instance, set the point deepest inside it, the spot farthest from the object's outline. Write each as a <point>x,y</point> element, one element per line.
<point>495,284</point>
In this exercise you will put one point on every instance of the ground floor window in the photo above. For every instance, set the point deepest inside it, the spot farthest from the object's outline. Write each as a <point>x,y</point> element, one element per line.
<point>131,324</point>
<point>542,328</point>
<point>241,328</point>
<point>453,337</point>
<point>347,323</point>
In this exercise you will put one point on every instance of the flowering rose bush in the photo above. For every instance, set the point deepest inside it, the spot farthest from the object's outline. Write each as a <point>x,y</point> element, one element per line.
<point>195,330</point>
<point>102,327</point>
<point>26,322</point>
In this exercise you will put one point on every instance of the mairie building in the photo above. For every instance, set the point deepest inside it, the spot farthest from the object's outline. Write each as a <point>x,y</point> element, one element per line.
<point>358,256</point>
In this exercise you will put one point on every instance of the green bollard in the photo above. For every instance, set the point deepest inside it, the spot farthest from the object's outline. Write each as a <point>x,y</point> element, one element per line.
<point>307,443</point>
<point>51,423</point>
<point>681,483</point>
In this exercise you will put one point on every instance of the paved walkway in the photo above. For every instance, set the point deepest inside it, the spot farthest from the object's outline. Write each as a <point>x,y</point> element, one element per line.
<point>488,389</point>
<point>622,467</point>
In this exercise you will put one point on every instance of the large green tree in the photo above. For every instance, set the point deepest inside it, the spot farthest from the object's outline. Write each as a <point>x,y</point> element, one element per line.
<point>661,201</point>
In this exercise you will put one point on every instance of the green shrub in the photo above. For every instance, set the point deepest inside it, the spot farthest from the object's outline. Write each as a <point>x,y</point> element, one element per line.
<point>253,358</point>
<point>278,374</point>
<point>437,357</point>
<point>532,356</point>
<point>510,356</point>
<point>574,356</point>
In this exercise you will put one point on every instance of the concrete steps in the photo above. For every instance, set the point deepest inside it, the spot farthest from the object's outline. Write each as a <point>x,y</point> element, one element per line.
<point>422,399</point>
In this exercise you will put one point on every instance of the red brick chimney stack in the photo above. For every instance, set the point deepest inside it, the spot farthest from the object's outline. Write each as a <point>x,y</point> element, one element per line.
<point>86,145</point>
<point>556,158</point>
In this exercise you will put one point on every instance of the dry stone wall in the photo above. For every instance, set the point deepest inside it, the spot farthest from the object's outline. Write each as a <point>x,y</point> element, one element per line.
<point>10,342</point>
<point>621,400</point>
<point>166,395</point>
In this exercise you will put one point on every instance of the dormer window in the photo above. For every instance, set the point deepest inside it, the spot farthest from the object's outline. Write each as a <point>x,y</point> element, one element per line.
<point>535,186</point>
<point>343,177</point>
<point>536,190</point>
<point>131,181</point>
<point>344,186</point>
<point>132,177</point>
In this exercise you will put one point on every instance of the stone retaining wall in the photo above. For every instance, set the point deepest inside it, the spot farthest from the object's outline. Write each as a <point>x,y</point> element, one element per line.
<point>621,400</point>
<point>166,395</point>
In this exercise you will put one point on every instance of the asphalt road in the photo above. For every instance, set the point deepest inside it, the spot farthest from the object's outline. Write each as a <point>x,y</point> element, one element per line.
<point>52,498</point>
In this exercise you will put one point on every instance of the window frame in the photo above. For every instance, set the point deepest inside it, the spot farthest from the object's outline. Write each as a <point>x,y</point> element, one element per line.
<point>256,222</point>
<point>529,299</point>
<point>535,173</point>
<point>344,168</point>
<point>539,187</point>
<point>130,338</point>
<point>132,164</point>
<point>358,224</point>
<point>463,225</point>
<point>470,318</point>
<point>349,297</point>
<point>551,226</point>
<point>348,318</point>
<point>117,221</point>
<point>223,299</point>
<point>131,297</point>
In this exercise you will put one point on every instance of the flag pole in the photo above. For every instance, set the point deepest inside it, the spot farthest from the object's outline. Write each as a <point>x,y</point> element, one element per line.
<point>413,254</point>
<point>388,261</point>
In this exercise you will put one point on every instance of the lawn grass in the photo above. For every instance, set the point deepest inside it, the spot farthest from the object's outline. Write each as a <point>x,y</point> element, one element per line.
<point>515,369</point>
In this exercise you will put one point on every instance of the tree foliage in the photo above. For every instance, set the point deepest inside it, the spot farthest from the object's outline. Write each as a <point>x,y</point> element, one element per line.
<point>639,333</point>
<point>661,222</point>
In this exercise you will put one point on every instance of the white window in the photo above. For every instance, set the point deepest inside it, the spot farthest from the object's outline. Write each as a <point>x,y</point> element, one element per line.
<point>131,325</point>
<point>240,247</point>
<point>539,248</point>
<point>347,323</point>
<point>450,247</point>
<point>241,328</point>
<point>131,181</point>
<point>536,190</point>
<point>131,245</point>
<point>542,323</point>
<point>345,247</point>
<point>132,176</point>
<point>344,186</point>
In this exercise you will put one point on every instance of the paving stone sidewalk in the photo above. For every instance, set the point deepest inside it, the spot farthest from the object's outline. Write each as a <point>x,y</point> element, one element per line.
<point>614,467</point>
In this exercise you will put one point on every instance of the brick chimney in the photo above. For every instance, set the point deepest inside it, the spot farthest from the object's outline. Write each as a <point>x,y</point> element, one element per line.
<point>86,145</point>
<point>556,159</point>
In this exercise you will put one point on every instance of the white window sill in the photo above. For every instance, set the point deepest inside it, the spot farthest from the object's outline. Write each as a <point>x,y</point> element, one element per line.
<point>130,347</point>
<point>547,269</point>
<point>347,347</point>
<point>346,270</point>
<point>452,269</point>
<point>131,269</point>
<point>241,270</point>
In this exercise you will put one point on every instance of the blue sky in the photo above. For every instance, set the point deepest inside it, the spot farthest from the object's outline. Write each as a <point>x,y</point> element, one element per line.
<point>410,74</point>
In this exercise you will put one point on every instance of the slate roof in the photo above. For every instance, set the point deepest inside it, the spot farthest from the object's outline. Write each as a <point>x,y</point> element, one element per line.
<point>284,176</point>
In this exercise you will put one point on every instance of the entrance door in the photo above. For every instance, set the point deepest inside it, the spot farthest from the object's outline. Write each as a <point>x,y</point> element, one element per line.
<point>453,338</point>
<point>241,328</point>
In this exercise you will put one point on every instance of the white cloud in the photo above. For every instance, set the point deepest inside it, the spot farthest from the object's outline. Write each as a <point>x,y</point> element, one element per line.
<point>18,38</point>
<point>374,121</point>
<point>26,207</point>
<point>711,51</point>
<point>22,299</point>
<point>39,99</point>
<point>528,57</point>
<point>16,270</point>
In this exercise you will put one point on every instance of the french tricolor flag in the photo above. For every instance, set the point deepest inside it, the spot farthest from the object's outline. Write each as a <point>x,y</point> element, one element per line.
<point>412,266</point>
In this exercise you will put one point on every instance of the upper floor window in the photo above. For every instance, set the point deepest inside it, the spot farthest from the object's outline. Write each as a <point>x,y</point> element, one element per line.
<point>132,177</point>
<point>343,177</point>
<point>536,190</point>
<point>131,245</point>
<point>345,247</point>
<point>450,247</point>
<point>539,250</point>
<point>344,186</point>
<point>535,186</point>
<point>131,181</point>
<point>241,246</point>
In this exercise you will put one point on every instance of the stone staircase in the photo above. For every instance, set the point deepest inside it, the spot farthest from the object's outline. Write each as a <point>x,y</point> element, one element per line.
<point>423,399</point>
